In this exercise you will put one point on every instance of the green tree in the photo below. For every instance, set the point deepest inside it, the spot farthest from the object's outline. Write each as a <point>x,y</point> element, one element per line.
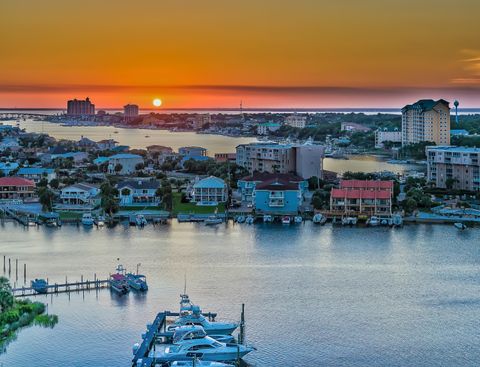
<point>45,196</point>
<point>54,183</point>
<point>118,168</point>
<point>6,296</point>
<point>409,205</point>
<point>109,200</point>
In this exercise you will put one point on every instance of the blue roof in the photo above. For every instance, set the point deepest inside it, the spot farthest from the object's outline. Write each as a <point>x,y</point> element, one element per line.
<point>210,182</point>
<point>455,149</point>
<point>34,170</point>
<point>101,160</point>
<point>125,156</point>
<point>459,132</point>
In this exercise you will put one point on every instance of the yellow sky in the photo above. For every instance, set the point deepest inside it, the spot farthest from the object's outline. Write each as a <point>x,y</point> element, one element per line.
<point>209,53</point>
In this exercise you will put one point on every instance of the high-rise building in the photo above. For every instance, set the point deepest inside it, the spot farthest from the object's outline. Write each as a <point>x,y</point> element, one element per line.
<point>454,167</point>
<point>130,111</point>
<point>295,120</point>
<point>426,120</point>
<point>78,107</point>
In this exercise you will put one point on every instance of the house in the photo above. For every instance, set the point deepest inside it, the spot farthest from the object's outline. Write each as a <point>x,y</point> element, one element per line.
<point>16,188</point>
<point>225,157</point>
<point>353,127</point>
<point>277,196</point>
<point>7,167</point>
<point>107,144</point>
<point>126,160</point>
<point>248,184</point>
<point>80,195</point>
<point>159,149</point>
<point>138,192</point>
<point>267,127</point>
<point>76,157</point>
<point>11,143</point>
<point>37,173</point>
<point>192,151</point>
<point>86,143</point>
<point>359,197</point>
<point>209,190</point>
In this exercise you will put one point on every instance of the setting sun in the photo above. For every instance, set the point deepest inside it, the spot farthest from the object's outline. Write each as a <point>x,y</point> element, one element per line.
<point>157,102</point>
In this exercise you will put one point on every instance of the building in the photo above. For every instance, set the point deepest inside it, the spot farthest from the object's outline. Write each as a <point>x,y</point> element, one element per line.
<point>247,185</point>
<point>130,112</point>
<point>16,188</point>
<point>37,173</point>
<point>107,144</point>
<point>7,167</point>
<point>76,157</point>
<point>225,157</point>
<point>277,196</point>
<point>353,127</point>
<point>209,191</point>
<point>128,163</point>
<point>459,132</point>
<point>426,121</point>
<point>159,149</point>
<point>192,151</point>
<point>80,195</point>
<point>454,167</point>
<point>267,127</point>
<point>358,197</point>
<point>10,143</point>
<point>384,135</point>
<point>77,107</point>
<point>201,120</point>
<point>305,160</point>
<point>138,192</point>
<point>295,120</point>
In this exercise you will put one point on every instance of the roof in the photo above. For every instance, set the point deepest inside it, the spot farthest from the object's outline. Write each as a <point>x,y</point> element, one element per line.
<point>16,181</point>
<point>126,156</point>
<point>277,185</point>
<point>210,182</point>
<point>360,194</point>
<point>192,147</point>
<point>364,184</point>
<point>265,176</point>
<point>459,132</point>
<point>81,186</point>
<point>34,170</point>
<point>426,104</point>
<point>454,149</point>
<point>139,184</point>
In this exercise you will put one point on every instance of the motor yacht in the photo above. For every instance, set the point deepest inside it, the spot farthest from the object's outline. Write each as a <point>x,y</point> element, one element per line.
<point>267,218</point>
<point>39,285</point>
<point>213,220</point>
<point>118,281</point>
<point>373,221</point>
<point>87,219</point>
<point>459,225</point>
<point>191,342</point>
<point>286,220</point>
<point>100,221</point>
<point>319,219</point>
<point>137,281</point>
<point>250,219</point>
<point>240,219</point>
<point>298,219</point>
<point>140,220</point>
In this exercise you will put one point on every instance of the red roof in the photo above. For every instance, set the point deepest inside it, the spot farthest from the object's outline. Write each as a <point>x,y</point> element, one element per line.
<point>362,184</point>
<point>360,194</point>
<point>16,181</point>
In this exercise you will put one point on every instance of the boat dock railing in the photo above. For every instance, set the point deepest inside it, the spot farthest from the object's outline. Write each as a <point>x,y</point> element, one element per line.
<point>62,287</point>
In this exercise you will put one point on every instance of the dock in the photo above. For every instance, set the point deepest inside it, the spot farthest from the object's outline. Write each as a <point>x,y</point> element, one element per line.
<point>62,287</point>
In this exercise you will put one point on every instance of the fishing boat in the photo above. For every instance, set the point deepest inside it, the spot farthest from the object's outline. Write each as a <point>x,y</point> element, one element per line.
<point>319,219</point>
<point>250,219</point>
<point>267,218</point>
<point>118,281</point>
<point>39,285</point>
<point>349,221</point>
<point>384,222</point>
<point>193,342</point>
<point>459,225</point>
<point>286,219</point>
<point>373,221</point>
<point>100,221</point>
<point>87,219</point>
<point>140,220</point>
<point>298,219</point>
<point>240,219</point>
<point>137,282</point>
<point>213,220</point>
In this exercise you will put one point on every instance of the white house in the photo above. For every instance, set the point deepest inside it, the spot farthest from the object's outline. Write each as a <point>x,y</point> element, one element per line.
<point>138,192</point>
<point>80,194</point>
<point>209,190</point>
<point>126,160</point>
<point>37,173</point>
<point>9,143</point>
<point>106,144</point>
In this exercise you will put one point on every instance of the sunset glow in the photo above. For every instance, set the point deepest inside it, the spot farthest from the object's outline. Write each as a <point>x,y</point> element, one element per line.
<point>157,102</point>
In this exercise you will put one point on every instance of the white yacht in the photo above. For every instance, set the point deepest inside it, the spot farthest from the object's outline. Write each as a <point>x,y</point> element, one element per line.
<point>87,219</point>
<point>267,218</point>
<point>100,221</point>
<point>286,220</point>
<point>191,314</point>
<point>298,219</point>
<point>249,219</point>
<point>140,220</point>
<point>319,219</point>
<point>192,342</point>
<point>373,221</point>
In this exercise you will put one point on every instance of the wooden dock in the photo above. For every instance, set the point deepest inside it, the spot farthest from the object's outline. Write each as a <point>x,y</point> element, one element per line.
<point>62,287</point>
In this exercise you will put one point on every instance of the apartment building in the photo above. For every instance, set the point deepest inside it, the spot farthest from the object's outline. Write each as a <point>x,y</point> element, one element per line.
<point>295,120</point>
<point>384,135</point>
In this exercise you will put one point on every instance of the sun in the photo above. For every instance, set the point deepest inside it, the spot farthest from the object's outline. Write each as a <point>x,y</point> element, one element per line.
<point>157,102</point>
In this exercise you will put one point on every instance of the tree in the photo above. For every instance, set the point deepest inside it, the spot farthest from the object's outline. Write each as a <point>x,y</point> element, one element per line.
<point>43,182</point>
<point>45,196</point>
<point>449,182</point>
<point>108,195</point>
<point>6,296</point>
<point>54,183</point>
<point>118,168</point>
<point>409,205</point>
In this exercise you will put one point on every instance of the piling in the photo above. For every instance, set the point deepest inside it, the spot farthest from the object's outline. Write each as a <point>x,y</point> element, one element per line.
<point>24,273</point>
<point>16,270</point>
<point>4,269</point>
<point>9,266</point>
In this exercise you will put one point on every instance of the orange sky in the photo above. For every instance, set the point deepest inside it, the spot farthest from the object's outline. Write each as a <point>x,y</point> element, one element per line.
<point>214,53</point>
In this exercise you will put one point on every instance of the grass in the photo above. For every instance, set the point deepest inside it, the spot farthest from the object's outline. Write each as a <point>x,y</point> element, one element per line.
<point>70,215</point>
<point>179,207</point>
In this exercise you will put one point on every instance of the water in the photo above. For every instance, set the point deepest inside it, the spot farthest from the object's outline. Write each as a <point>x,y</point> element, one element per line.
<point>315,296</point>
<point>136,138</point>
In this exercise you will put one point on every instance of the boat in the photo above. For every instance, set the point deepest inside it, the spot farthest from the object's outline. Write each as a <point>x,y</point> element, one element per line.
<point>349,221</point>
<point>286,220</point>
<point>384,222</point>
<point>137,282</point>
<point>459,225</point>
<point>267,218</point>
<point>31,223</point>
<point>147,136</point>
<point>87,219</point>
<point>319,219</point>
<point>100,221</point>
<point>373,221</point>
<point>39,285</point>
<point>298,219</point>
<point>192,341</point>
<point>115,132</point>
<point>199,363</point>
<point>51,222</point>
<point>240,219</point>
<point>140,220</point>
<point>191,314</point>
<point>397,220</point>
<point>118,281</point>
<point>213,220</point>
<point>250,219</point>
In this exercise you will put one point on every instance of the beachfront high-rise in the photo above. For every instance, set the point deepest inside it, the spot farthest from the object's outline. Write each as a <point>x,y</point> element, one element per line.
<point>78,107</point>
<point>426,120</point>
<point>130,111</point>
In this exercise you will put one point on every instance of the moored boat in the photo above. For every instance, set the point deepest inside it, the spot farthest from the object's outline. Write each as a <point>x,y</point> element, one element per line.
<point>39,285</point>
<point>249,219</point>
<point>240,219</point>
<point>213,220</point>
<point>87,219</point>
<point>286,219</point>
<point>140,220</point>
<point>137,282</point>
<point>267,218</point>
<point>319,219</point>
<point>298,219</point>
<point>373,221</point>
<point>100,221</point>
<point>118,281</point>
<point>459,225</point>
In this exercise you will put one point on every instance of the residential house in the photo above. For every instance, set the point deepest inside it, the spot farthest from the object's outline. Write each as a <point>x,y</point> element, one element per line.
<point>192,151</point>
<point>7,167</point>
<point>138,192</point>
<point>225,157</point>
<point>107,144</point>
<point>296,120</point>
<point>267,127</point>
<point>37,173</point>
<point>359,197</point>
<point>209,190</point>
<point>126,160</point>
<point>16,188</point>
<point>80,196</point>
<point>11,143</point>
<point>277,196</point>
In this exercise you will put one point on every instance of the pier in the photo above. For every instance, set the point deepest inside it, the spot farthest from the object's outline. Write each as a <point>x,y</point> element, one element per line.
<point>62,287</point>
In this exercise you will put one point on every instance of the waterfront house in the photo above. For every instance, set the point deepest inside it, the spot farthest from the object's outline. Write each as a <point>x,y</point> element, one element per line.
<point>16,188</point>
<point>246,185</point>
<point>37,173</point>
<point>7,167</point>
<point>138,192</point>
<point>80,196</point>
<point>10,143</point>
<point>76,157</point>
<point>277,196</point>
<point>87,143</point>
<point>126,160</point>
<point>209,191</point>
<point>192,151</point>
<point>107,144</point>
<point>225,157</point>
<point>359,197</point>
